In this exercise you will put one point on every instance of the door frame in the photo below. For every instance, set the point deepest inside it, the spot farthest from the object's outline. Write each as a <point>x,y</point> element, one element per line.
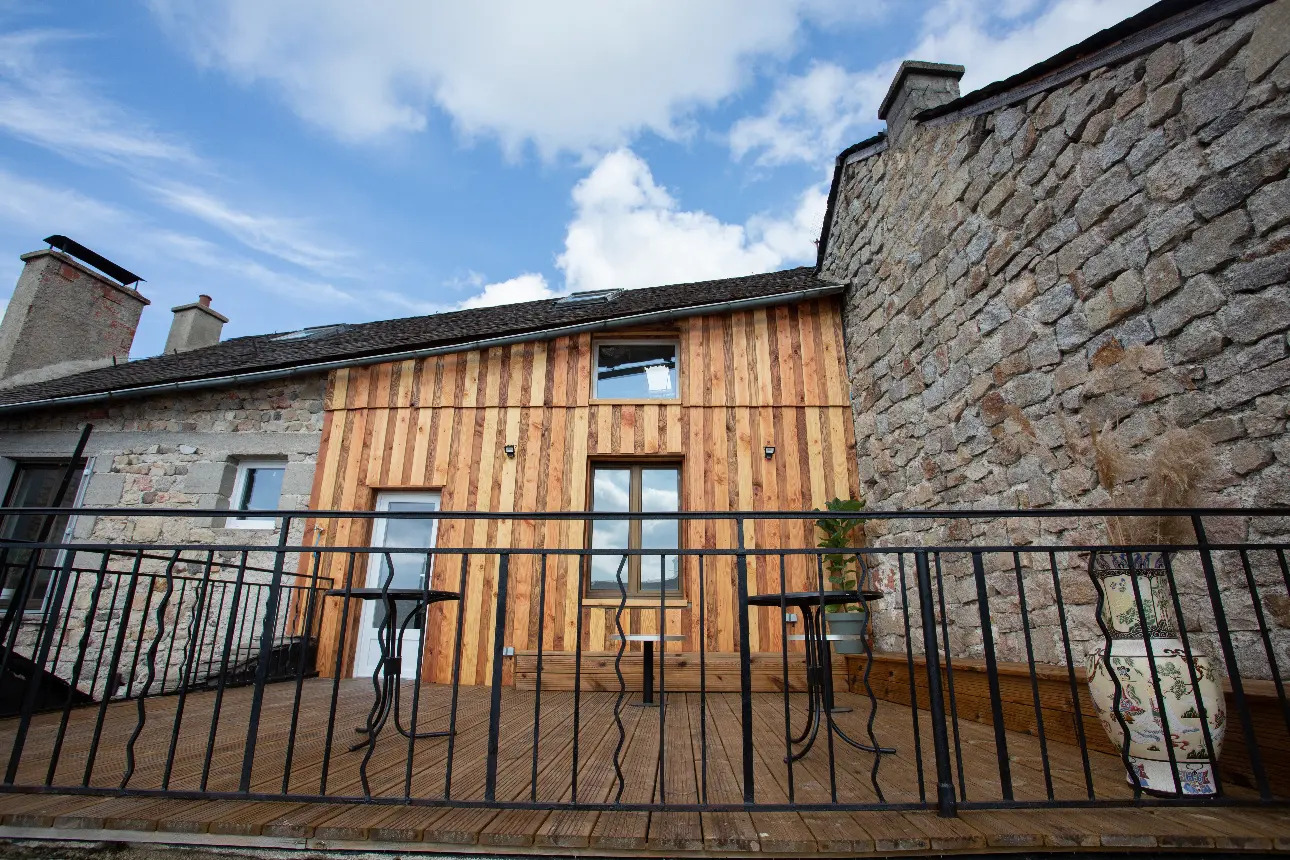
<point>371,575</point>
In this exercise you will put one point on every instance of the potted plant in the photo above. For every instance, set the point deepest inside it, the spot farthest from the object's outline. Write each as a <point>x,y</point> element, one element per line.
<point>1135,611</point>
<point>844,572</point>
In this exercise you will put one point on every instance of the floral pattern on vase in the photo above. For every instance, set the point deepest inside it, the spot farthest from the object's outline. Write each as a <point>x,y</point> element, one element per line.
<point>1189,688</point>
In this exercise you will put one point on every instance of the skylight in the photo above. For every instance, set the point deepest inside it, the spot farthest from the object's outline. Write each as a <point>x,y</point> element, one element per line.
<point>588,297</point>
<point>316,331</point>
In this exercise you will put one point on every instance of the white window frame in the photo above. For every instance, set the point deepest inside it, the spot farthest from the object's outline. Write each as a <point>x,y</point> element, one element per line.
<point>675,343</point>
<point>244,468</point>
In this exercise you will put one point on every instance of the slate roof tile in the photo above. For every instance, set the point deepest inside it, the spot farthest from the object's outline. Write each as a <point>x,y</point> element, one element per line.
<point>270,352</point>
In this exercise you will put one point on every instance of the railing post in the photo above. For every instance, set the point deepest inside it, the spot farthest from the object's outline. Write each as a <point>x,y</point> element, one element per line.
<point>992,677</point>
<point>1229,658</point>
<point>945,802</point>
<point>262,670</point>
<point>495,705</point>
<point>36,682</point>
<point>745,666</point>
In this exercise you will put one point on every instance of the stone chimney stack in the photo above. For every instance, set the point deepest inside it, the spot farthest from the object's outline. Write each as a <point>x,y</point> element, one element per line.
<point>66,317</point>
<point>917,86</point>
<point>195,325</point>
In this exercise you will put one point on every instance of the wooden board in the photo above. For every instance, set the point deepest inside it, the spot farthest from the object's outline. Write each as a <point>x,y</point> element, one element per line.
<point>890,681</point>
<point>748,379</point>
<point>701,760</point>
<point>721,672</point>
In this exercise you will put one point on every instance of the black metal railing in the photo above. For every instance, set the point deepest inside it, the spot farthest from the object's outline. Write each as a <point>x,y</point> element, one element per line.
<point>980,662</point>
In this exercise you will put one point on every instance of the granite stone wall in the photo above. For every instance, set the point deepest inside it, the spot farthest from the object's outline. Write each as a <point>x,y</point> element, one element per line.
<point>176,451</point>
<point>1114,249</point>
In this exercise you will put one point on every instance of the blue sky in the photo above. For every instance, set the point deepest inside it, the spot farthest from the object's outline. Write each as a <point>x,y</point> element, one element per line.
<point>315,161</point>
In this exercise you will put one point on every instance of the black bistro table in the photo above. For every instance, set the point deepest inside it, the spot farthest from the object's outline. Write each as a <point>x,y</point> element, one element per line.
<point>819,663</point>
<point>647,669</point>
<point>390,668</point>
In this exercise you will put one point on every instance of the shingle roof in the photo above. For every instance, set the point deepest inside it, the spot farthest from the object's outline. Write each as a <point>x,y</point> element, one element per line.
<point>270,352</point>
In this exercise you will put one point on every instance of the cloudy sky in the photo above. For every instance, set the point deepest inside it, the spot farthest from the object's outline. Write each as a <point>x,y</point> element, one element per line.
<point>315,161</point>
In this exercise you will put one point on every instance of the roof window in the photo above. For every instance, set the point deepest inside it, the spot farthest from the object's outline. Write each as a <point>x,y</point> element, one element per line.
<point>309,333</point>
<point>588,297</point>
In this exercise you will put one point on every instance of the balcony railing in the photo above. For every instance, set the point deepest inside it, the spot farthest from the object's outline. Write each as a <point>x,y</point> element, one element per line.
<point>221,671</point>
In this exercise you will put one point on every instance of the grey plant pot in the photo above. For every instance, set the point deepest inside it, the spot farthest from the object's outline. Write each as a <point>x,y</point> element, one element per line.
<point>848,624</point>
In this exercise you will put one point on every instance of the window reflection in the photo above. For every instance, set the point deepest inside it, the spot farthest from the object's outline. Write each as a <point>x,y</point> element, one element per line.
<point>625,489</point>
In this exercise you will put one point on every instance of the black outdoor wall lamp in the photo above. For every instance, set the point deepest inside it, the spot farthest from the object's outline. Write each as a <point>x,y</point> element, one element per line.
<point>770,451</point>
<point>510,451</point>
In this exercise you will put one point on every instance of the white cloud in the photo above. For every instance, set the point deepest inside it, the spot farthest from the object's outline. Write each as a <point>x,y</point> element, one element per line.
<point>627,231</point>
<point>810,117</point>
<point>172,260</point>
<point>968,32</point>
<point>285,238</point>
<point>44,103</point>
<point>525,288</point>
<point>567,76</point>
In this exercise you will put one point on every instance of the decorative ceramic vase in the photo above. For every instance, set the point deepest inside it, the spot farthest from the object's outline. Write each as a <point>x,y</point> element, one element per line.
<point>847,624</point>
<point>1188,690</point>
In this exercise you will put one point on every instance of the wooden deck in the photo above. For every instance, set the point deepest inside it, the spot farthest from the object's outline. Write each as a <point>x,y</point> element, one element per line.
<point>399,826</point>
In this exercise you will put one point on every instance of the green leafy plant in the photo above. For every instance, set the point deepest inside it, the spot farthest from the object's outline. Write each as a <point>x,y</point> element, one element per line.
<point>842,569</point>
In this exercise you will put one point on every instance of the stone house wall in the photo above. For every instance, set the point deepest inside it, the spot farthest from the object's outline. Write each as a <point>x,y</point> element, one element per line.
<point>1114,249</point>
<point>176,451</point>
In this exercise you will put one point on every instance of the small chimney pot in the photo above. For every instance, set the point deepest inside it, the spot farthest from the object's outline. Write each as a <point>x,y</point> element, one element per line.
<point>195,325</point>
<point>918,86</point>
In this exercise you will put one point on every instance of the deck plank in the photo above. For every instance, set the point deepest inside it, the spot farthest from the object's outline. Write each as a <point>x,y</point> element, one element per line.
<point>684,779</point>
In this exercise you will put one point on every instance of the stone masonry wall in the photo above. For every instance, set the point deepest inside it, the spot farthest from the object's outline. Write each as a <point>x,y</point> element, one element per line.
<point>177,451</point>
<point>1115,249</point>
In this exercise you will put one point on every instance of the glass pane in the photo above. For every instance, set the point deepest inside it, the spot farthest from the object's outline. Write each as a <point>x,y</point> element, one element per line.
<point>263,489</point>
<point>411,570</point>
<point>34,485</point>
<point>610,491</point>
<point>660,491</point>
<point>636,371</point>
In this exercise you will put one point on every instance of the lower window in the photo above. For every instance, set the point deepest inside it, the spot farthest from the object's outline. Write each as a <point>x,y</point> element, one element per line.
<point>630,488</point>
<point>33,485</point>
<point>256,489</point>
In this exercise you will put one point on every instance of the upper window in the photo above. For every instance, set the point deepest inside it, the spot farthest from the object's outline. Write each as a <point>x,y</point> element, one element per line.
<point>257,488</point>
<point>637,370</point>
<point>34,485</point>
<point>629,488</point>
<point>587,297</point>
<point>307,333</point>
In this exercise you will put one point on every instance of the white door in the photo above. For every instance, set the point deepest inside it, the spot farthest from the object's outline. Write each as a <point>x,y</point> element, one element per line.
<point>411,570</point>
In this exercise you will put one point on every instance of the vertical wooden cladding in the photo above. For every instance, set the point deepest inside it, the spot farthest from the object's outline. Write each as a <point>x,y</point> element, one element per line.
<point>770,376</point>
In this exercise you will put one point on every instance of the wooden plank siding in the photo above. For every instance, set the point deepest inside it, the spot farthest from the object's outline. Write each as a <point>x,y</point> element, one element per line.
<point>770,376</point>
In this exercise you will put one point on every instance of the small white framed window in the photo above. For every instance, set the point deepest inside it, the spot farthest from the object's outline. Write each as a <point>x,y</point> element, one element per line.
<point>258,487</point>
<point>641,369</point>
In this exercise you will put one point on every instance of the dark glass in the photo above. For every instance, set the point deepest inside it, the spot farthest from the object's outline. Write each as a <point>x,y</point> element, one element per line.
<point>411,570</point>
<point>262,490</point>
<point>636,371</point>
<point>626,489</point>
<point>34,485</point>
<point>660,492</point>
